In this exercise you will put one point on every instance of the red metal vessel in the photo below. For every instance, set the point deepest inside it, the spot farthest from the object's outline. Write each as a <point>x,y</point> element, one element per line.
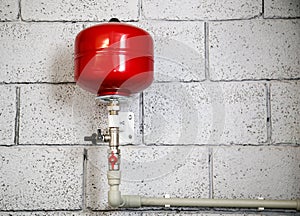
<point>113,59</point>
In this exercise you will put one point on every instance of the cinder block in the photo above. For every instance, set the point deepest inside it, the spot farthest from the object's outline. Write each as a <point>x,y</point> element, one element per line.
<point>46,114</point>
<point>285,112</point>
<point>41,178</point>
<point>256,49</point>
<point>79,10</point>
<point>179,50</point>
<point>37,52</point>
<point>64,114</point>
<point>149,171</point>
<point>252,172</point>
<point>205,113</point>
<point>7,114</point>
<point>200,10</point>
<point>281,9</point>
<point>9,9</point>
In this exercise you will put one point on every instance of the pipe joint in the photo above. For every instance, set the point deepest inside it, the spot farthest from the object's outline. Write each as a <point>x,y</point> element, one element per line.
<point>114,177</point>
<point>131,201</point>
<point>114,198</point>
<point>114,194</point>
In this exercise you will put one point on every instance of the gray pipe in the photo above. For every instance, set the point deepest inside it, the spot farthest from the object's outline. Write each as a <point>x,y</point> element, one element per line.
<point>137,201</point>
<point>116,200</point>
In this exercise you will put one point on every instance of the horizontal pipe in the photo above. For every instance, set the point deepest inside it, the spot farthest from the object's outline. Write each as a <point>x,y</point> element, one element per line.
<point>226,203</point>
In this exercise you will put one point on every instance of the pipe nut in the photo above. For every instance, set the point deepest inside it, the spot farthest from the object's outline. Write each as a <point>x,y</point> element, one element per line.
<point>114,177</point>
<point>113,108</point>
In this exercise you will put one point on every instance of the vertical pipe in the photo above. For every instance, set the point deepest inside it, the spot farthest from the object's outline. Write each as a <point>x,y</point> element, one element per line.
<point>113,122</point>
<point>114,175</point>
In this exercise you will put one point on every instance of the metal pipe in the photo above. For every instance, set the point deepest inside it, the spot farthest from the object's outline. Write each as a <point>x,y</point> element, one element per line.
<point>114,151</point>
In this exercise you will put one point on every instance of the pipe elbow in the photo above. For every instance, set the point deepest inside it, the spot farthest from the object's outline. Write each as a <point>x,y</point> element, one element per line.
<point>114,199</point>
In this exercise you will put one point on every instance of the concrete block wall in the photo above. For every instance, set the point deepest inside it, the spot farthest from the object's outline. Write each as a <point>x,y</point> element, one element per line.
<point>221,120</point>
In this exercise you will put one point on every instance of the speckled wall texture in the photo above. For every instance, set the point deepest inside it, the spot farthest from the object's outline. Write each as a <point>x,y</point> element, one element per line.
<point>221,120</point>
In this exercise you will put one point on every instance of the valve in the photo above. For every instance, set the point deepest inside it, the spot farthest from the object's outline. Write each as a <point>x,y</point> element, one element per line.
<point>92,138</point>
<point>98,137</point>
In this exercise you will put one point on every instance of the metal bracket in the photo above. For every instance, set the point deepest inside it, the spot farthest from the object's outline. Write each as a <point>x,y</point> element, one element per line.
<point>125,122</point>
<point>126,127</point>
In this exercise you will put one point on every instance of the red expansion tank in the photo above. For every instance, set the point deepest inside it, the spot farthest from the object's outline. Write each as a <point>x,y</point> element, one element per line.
<point>113,59</point>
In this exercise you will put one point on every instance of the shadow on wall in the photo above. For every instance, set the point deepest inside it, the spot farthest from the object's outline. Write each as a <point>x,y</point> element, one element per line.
<point>61,65</point>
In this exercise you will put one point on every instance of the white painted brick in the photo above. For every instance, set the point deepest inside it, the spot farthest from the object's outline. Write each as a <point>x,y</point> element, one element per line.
<point>279,8</point>
<point>149,171</point>
<point>79,10</point>
<point>256,49</point>
<point>9,9</point>
<point>179,50</point>
<point>7,114</point>
<point>251,172</point>
<point>34,52</point>
<point>285,112</point>
<point>38,178</point>
<point>64,114</point>
<point>201,10</point>
<point>201,113</point>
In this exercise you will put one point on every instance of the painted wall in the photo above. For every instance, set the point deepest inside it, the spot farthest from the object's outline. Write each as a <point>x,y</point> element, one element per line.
<point>222,119</point>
